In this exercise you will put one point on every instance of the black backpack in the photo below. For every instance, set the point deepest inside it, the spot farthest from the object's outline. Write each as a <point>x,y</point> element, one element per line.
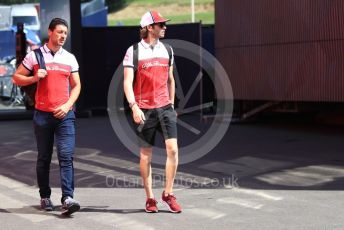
<point>30,90</point>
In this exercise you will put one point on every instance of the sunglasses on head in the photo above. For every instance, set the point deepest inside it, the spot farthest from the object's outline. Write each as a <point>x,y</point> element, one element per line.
<point>160,24</point>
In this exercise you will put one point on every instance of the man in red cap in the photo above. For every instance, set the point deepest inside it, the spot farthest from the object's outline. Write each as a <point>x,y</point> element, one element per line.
<point>149,87</point>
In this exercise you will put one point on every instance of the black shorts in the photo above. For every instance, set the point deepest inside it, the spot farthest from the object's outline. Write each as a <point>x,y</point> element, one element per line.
<point>162,119</point>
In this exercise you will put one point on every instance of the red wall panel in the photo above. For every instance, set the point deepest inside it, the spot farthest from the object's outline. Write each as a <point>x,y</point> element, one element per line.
<point>289,50</point>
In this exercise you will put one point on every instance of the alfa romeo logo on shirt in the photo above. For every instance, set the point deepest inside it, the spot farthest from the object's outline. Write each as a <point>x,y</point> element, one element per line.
<point>202,136</point>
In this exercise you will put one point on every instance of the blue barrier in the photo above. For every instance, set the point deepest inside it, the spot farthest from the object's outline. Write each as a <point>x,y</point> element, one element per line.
<point>7,43</point>
<point>98,19</point>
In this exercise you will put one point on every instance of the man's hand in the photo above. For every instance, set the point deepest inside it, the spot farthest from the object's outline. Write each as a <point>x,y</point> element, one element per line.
<point>61,112</point>
<point>40,74</point>
<point>138,115</point>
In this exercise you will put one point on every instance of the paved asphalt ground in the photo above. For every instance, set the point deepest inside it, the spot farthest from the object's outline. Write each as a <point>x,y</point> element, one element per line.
<point>267,175</point>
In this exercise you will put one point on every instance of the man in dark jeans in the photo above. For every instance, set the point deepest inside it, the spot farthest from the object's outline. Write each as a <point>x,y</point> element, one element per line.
<point>58,87</point>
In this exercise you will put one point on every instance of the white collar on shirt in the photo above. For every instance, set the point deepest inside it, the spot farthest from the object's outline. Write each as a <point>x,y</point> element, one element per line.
<point>146,45</point>
<point>47,50</point>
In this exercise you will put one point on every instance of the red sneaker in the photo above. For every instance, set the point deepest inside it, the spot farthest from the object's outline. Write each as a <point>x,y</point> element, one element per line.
<point>171,202</point>
<point>151,205</point>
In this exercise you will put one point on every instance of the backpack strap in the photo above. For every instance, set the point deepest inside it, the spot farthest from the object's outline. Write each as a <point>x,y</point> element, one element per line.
<point>136,56</point>
<point>30,90</point>
<point>169,51</point>
<point>40,58</point>
<point>135,59</point>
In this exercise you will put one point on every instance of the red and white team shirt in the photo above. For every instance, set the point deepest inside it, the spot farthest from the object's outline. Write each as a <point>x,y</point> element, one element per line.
<point>53,90</point>
<point>150,86</point>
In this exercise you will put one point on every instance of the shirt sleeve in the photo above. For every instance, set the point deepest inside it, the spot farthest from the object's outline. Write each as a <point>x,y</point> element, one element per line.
<point>29,61</point>
<point>128,58</point>
<point>74,64</point>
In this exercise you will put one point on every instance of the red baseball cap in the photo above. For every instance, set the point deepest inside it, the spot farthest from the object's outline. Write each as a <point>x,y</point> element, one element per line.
<point>152,17</point>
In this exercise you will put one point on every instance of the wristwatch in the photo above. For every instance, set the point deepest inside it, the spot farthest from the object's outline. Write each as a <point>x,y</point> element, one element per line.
<point>131,104</point>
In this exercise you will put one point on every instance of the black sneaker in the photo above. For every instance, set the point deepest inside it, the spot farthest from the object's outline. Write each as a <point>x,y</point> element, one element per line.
<point>46,204</point>
<point>70,206</point>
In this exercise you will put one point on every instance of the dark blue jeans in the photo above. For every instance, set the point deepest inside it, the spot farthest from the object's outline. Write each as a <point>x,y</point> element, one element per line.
<point>46,127</point>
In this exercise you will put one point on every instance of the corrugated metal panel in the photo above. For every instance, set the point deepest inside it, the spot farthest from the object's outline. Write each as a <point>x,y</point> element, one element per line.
<point>282,50</point>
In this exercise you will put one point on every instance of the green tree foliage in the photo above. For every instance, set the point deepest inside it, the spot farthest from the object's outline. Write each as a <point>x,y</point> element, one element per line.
<point>114,5</point>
